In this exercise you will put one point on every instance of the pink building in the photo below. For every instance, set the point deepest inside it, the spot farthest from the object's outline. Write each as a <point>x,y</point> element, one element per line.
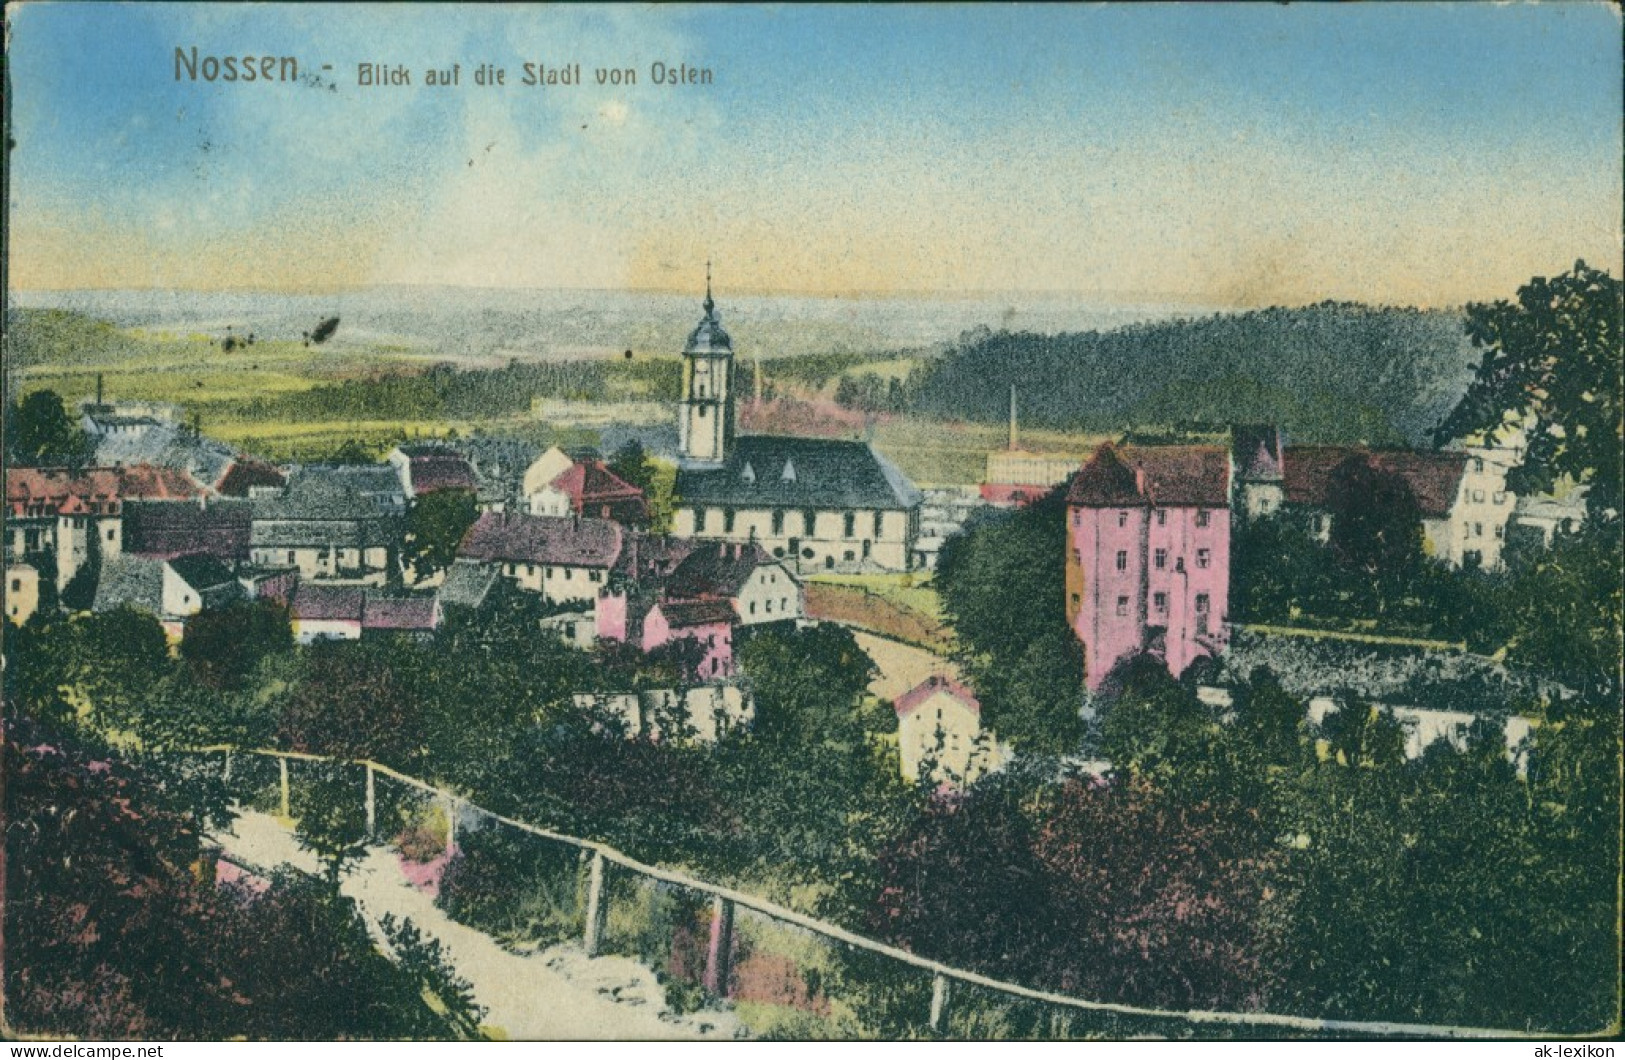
<point>1148,555</point>
<point>640,619</point>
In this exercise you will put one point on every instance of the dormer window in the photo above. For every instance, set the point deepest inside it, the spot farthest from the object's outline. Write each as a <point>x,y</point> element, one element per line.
<point>748,474</point>
<point>789,474</point>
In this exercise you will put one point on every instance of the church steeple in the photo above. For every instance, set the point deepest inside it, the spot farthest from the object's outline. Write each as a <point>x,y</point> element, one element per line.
<point>705,415</point>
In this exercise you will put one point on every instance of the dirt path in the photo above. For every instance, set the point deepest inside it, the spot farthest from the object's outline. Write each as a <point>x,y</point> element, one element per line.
<point>557,993</point>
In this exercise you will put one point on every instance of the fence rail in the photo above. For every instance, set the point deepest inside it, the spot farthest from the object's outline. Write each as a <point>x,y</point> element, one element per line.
<point>725,901</point>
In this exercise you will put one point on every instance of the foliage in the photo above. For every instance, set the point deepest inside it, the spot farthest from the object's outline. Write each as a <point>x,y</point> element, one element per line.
<point>1308,369</point>
<point>1115,892</point>
<point>632,465</point>
<point>223,645</point>
<point>115,930</point>
<point>1000,585</point>
<point>40,432</point>
<point>329,820</point>
<point>117,656</point>
<point>1551,363</point>
<point>435,525</point>
<point>423,960</point>
<point>1376,525</point>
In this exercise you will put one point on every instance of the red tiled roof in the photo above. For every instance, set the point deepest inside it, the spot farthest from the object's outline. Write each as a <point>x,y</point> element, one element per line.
<point>923,691</point>
<point>590,482</point>
<point>1175,475</point>
<point>244,474</point>
<point>503,537</point>
<point>1433,477</point>
<point>716,569</point>
<point>333,603</point>
<point>385,612</point>
<point>34,491</point>
<point>685,614</point>
<point>440,471</point>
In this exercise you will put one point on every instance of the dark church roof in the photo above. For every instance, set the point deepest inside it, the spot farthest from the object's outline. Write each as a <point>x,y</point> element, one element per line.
<point>709,337</point>
<point>773,471</point>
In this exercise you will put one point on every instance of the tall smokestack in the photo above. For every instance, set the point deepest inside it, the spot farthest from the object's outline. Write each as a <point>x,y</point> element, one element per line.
<point>98,388</point>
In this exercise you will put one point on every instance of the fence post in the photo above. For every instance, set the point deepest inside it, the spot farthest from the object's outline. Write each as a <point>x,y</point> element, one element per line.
<point>939,1003</point>
<point>372,805</point>
<point>593,934</point>
<point>719,954</point>
<point>451,825</point>
<point>282,766</point>
<point>225,775</point>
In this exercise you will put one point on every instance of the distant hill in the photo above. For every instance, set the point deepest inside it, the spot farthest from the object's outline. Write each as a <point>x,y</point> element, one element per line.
<point>1333,372</point>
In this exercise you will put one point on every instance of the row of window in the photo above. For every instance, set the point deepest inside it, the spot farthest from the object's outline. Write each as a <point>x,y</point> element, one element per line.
<point>1159,604</point>
<point>767,606</point>
<point>1477,496</point>
<point>849,522</point>
<point>1203,517</point>
<point>1477,530</point>
<point>1159,559</point>
<point>549,573</point>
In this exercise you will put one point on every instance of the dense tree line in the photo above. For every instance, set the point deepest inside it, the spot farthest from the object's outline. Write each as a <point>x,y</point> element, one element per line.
<point>1327,373</point>
<point>444,391</point>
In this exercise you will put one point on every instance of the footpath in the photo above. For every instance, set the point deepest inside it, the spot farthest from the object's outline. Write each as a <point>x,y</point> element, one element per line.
<point>554,994</point>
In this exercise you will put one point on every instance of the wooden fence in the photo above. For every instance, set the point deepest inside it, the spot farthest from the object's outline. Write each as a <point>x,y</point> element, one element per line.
<point>725,901</point>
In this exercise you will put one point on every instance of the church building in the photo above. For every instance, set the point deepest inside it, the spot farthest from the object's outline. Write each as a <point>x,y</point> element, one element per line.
<point>815,503</point>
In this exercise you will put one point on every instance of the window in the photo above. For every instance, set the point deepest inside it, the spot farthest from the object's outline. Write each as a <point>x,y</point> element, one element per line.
<point>1201,603</point>
<point>1202,516</point>
<point>1162,517</point>
<point>290,556</point>
<point>569,574</point>
<point>778,522</point>
<point>1500,497</point>
<point>1076,599</point>
<point>1122,518</point>
<point>1159,601</point>
<point>877,524</point>
<point>1478,496</point>
<point>1161,558</point>
<point>1478,465</point>
<point>1122,560</point>
<point>784,603</point>
<point>753,607</point>
<point>595,576</point>
<point>1203,557</point>
<point>109,533</point>
<point>728,521</point>
<point>1500,531</point>
<point>1077,517</point>
<point>1478,530</point>
<point>808,520</point>
<point>1122,606</point>
<point>16,585</point>
<point>1077,554</point>
<point>850,524</point>
<point>1472,559</point>
<point>850,555</point>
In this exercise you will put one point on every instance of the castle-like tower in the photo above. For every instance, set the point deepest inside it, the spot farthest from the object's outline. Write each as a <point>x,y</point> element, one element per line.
<point>705,419</point>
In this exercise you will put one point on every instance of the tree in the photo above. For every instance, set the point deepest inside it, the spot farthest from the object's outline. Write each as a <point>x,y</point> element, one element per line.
<point>331,823</point>
<point>1551,363</point>
<point>39,431</point>
<point>632,465</point>
<point>435,525</point>
<point>1376,525</point>
<point>223,645</point>
<point>1035,701</point>
<point>118,656</point>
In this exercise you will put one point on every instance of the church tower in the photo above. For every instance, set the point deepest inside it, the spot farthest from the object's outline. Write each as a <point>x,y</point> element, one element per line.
<point>705,414</point>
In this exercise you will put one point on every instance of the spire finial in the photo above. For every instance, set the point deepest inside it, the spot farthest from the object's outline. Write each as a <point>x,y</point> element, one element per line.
<point>710,305</point>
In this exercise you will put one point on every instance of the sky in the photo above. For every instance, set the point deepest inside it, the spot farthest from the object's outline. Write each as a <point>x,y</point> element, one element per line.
<point>1223,155</point>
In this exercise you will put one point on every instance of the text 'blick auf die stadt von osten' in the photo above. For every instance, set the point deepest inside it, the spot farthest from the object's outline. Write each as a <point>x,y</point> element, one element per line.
<point>193,65</point>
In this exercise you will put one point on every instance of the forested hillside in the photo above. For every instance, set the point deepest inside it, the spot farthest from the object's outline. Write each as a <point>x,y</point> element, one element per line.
<point>1329,372</point>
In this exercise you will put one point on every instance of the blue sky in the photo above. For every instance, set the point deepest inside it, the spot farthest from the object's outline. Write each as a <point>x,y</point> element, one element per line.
<point>1226,154</point>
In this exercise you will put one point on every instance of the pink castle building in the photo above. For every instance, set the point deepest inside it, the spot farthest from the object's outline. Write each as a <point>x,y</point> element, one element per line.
<point>1148,555</point>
